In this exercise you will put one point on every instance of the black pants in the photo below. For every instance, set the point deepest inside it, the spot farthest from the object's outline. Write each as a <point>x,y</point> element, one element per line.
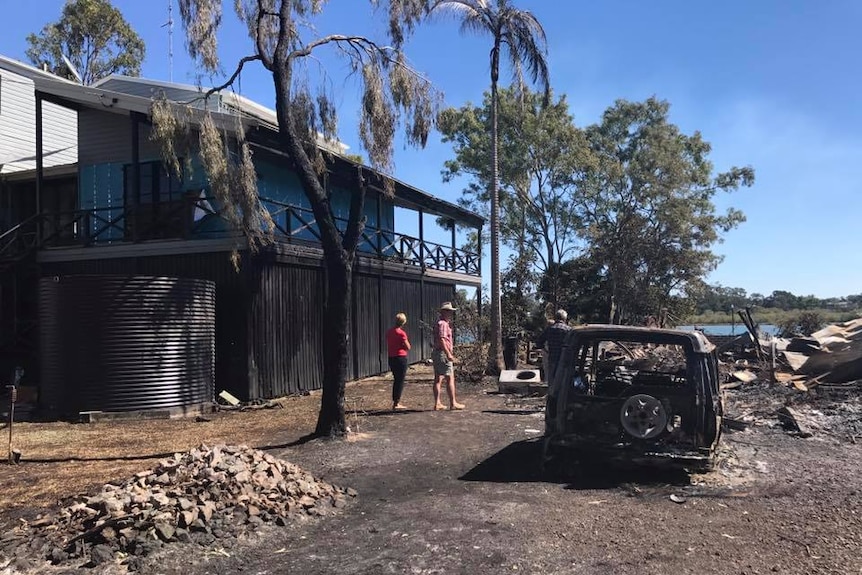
<point>398,365</point>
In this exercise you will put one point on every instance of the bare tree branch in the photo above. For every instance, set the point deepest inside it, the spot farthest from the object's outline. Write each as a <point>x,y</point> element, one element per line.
<point>338,38</point>
<point>242,62</point>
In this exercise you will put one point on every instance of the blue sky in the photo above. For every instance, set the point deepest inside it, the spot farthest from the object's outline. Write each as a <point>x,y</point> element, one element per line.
<point>771,83</point>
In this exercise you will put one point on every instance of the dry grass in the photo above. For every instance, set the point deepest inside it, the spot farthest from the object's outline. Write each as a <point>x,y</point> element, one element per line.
<point>64,459</point>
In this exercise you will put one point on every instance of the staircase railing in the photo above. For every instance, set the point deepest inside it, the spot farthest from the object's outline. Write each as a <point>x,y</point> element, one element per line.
<point>20,240</point>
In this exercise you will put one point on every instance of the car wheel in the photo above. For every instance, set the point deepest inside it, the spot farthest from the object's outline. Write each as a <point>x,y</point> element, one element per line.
<point>643,416</point>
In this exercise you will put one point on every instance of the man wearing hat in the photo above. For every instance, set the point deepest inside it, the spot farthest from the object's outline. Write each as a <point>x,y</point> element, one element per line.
<point>444,358</point>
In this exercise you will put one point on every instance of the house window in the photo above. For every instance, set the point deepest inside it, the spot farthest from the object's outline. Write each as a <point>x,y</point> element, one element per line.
<point>163,211</point>
<point>158,185</point>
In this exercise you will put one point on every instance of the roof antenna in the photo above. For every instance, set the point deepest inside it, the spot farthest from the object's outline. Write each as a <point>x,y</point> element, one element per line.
<point>170,25</point>
<point>72,69</point>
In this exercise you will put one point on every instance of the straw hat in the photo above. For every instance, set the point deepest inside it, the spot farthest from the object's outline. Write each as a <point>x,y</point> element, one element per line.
<point>447,306</point>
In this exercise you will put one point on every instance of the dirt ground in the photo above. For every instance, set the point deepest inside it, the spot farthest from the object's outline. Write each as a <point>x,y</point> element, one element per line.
<point>460,492</point>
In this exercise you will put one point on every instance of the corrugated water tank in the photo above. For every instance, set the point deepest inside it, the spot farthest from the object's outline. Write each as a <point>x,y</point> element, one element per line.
<point>125,343</point>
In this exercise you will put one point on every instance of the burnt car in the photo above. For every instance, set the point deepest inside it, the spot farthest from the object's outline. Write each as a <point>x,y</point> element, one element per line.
<point>636,395</point>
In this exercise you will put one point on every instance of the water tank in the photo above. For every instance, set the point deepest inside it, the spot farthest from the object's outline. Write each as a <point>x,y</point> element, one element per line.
<point>125,343</point>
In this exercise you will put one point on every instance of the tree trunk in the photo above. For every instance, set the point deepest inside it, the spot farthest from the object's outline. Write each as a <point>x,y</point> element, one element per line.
<point>495,351</point>
<point>555,276</point>
<point>338,252</point>
<point>336,341</point>
<point>521,267</point>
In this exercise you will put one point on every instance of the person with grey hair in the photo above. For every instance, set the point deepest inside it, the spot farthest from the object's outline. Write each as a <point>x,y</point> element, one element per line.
<point>553,337</point>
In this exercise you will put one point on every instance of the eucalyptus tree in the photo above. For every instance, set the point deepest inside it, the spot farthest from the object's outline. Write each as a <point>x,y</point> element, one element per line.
<point>646,207</point>
<point>285,41</point>
<point>541,155</point>
<point>518,36</point>
<point>94,37</point>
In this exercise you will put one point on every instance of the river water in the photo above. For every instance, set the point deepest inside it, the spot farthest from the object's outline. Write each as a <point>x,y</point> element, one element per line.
<point>730,329</point>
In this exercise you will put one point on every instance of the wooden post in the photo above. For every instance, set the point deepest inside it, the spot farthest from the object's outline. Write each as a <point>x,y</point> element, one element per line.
<point>379,224</point>
<point>454,248</point>
<point>772,352</point>
<point>479,289</point>
<point>135,200</point>
<point>732,321</point>
<point>289,223</point>
<point>14,392</point>
<point>422,241</point>
<point>40,184</point>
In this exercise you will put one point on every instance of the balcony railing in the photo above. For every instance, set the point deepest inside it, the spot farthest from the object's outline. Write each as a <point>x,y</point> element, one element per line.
<point>195,218</point>
<point>297,224</point>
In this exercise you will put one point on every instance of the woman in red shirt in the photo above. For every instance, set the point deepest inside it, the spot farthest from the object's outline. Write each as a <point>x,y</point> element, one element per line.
<point>398,345</point>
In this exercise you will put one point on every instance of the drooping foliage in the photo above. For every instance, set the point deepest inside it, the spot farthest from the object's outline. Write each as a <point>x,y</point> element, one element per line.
<point>541,155</point>
<point>285,39</point>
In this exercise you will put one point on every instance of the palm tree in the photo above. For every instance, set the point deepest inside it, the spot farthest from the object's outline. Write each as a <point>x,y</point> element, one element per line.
<point>519,32</point>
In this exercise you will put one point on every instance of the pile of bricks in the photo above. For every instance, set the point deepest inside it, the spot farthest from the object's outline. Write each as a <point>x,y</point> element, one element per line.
<point>199,496</point>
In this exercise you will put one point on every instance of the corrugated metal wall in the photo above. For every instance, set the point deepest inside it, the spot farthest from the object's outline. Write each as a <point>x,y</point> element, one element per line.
<point>285,326</point>
<point>231,323</point>
<point>368,343</point>
<point>404,296</point>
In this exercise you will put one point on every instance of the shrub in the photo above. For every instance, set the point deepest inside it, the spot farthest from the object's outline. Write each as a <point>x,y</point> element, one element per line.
<point>801,324</point>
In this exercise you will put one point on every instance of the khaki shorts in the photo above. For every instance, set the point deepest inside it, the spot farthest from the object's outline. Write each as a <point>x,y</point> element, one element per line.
<point>442,365</point>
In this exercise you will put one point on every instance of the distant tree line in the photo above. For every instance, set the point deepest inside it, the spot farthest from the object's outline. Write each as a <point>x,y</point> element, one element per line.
<point>718,298</point>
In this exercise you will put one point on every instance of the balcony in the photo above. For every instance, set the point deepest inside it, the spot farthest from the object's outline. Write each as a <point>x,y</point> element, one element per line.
<point>193,218</point>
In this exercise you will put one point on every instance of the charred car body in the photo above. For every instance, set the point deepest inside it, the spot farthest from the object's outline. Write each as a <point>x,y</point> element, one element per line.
<point>638,395</point>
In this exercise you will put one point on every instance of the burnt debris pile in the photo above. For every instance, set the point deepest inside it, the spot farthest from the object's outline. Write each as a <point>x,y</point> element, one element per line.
<point>832,355</point>
<point>830,358</point>
<point>199,496</point>
<point>807,384</point>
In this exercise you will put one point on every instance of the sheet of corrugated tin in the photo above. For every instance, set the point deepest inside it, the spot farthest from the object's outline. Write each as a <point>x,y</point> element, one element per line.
<point>146,89</point>
<point>126,343</point>
<point>270,318</point>
<point>367,335</point>
<point>286,323</point>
